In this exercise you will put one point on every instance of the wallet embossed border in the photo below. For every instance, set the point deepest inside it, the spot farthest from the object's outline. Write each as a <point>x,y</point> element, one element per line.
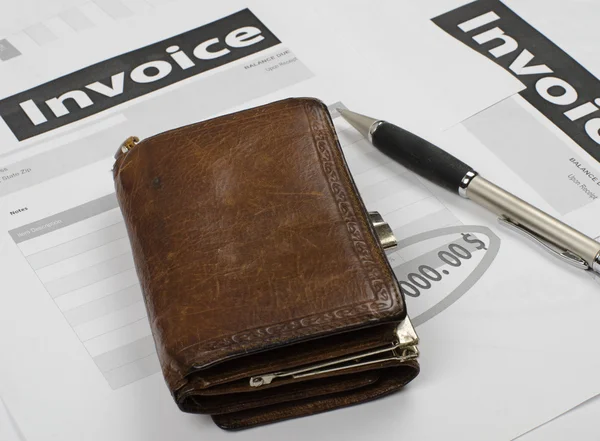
<point>267,288</point>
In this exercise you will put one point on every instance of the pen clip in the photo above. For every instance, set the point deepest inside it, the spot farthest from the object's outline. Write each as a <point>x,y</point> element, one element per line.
<point>564,255</point>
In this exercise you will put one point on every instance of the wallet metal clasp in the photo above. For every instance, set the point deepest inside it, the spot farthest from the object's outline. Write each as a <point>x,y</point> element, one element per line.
<point>127,145</point>
<point>383,231</point>
<point>403,349</point>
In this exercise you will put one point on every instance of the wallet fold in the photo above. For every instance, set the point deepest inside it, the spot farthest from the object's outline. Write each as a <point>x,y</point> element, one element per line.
<point>267,288</point>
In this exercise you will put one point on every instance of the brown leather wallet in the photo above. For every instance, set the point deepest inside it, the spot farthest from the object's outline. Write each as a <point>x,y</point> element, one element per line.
<point>267,289</point>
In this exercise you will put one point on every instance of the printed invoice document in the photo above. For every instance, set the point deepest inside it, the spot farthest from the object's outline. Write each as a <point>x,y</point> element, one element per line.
<point>82,363</point>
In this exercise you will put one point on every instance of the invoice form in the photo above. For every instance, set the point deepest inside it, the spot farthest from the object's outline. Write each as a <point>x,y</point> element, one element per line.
<point>81,361</point>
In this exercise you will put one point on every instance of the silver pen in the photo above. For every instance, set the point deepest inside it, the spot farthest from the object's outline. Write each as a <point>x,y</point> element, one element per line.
<point>438,166</point>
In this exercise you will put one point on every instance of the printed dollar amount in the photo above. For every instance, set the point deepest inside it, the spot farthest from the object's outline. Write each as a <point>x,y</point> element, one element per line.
<point>451,255</point>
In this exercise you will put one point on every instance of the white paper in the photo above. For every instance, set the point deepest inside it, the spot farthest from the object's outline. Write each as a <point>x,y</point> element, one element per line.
<point>8,428</point>
<point>80,372</point>
<point>579,423</point>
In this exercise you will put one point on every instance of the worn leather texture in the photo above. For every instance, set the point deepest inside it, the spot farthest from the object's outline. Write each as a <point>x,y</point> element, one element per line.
<point>255,254</point>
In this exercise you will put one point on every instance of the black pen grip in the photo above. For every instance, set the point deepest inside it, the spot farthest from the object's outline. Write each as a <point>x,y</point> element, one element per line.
<point>420,156</point>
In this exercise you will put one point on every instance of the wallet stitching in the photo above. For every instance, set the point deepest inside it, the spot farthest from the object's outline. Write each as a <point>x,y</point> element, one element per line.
<point>374,250</point>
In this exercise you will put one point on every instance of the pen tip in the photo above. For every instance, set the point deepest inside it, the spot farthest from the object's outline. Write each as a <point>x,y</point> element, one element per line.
<point>360,122</point>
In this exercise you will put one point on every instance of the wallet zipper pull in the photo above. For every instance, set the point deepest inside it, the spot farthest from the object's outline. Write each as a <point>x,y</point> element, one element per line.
<point>127,145</point>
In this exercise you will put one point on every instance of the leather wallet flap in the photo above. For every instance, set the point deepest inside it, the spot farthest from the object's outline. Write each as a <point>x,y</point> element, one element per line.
<point>248,234</point>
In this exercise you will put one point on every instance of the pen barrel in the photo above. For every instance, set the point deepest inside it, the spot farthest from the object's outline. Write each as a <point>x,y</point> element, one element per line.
<point>420,156</point>
<point>503,203</point>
